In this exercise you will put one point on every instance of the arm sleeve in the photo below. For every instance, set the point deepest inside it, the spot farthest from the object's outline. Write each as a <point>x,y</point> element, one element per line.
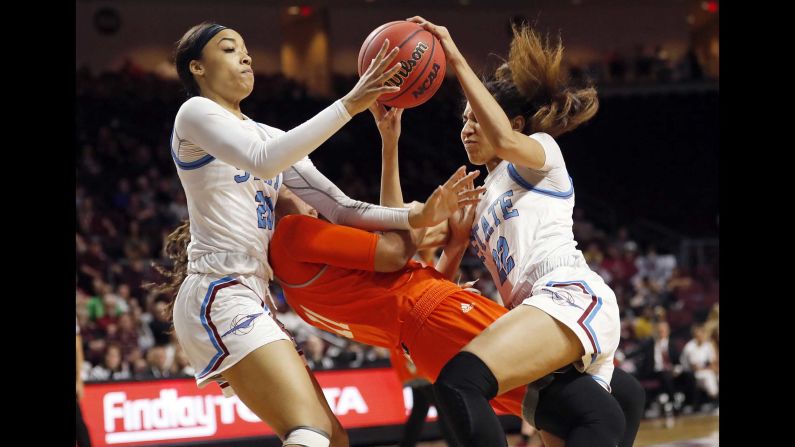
<point>553,155</point>
<point>319,242</point>
<point>207,125</point>
<point>314,188</point>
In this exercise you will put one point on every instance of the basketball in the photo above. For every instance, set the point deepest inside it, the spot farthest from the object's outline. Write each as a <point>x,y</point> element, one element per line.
<point>421,58</point>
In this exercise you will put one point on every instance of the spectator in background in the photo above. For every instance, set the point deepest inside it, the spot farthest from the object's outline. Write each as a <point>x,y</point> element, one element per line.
<point>659,361</point>
<point>123,292</point>
<point>679,282</point>
<point>612,266</point>
<point>160,326</point>
<point>643,325</point>
<point>136,245</point>
<point>126,335</point>
<point>132,274</point>
<point>112,367</point>
<point>377,356</point>
<point>93,262</point>
<point>156,364</point>
<point>315,353</point>
<point>658,268</point>
<point>141,320</point>
<point>109,310</point>
<point>121,199</point>
<point>699,357</point>
<point>183,366</point>
<point>96,349</point>
<point>629,255</point>
<point>138,363</point>
<point>647,295</point>
<point>95,306</point>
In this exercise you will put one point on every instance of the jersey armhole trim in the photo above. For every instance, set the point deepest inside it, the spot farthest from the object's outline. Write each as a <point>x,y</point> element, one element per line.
<point>516,177</point>
<point>187,165</point>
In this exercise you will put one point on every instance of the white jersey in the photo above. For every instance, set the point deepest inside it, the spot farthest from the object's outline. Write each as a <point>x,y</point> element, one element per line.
<point>523,224</point>
<point>524,236</point>
<point>232,170</point>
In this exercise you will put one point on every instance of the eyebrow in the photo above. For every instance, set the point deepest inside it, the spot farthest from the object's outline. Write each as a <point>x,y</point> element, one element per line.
<point>228,38</point>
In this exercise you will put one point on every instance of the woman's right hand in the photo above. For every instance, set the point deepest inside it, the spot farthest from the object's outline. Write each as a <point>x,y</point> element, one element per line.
<point>451,52</point>
<point>460,224</point>
<point>446,199</point>
<point>371,83</point>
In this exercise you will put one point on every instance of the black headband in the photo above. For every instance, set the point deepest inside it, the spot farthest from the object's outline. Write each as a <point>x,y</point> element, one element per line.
<point>205,36</point>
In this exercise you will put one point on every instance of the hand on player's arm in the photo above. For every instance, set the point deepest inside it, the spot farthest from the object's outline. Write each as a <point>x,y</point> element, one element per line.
<point>460,225</point>
<point>446,199</point>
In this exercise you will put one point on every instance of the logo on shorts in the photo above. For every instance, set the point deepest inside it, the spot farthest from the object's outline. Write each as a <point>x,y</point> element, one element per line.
<point>562,297</point>
<point>242,324</point>
<point>467,307</point>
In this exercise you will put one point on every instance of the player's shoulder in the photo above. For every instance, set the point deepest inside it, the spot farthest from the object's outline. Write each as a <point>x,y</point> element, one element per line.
<point>197,106</point>
<point>198,102</point>
<point>546,140</point>
<point>542,137</point>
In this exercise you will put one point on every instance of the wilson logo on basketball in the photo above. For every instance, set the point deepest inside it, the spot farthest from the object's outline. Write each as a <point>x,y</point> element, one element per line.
<point>407,66</point>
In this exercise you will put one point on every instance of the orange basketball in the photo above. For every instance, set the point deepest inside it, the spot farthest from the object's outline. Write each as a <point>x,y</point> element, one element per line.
<point>421,58</point>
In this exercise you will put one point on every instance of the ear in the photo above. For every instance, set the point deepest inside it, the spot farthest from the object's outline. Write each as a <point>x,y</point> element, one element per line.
<point>518,123</point>
<point>196,67</point>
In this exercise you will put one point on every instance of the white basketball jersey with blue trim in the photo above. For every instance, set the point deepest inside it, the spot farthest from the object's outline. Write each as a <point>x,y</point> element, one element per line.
<point>524,219</point>
<point>231,210</point>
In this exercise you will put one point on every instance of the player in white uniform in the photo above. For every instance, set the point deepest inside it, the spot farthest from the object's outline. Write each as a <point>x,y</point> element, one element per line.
<point>232,169</point>
<point>523,233</point>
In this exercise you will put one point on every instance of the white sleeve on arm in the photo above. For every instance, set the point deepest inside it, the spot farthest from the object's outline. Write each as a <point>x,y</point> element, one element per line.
<point>207,125</point>
<point>553,155</point>
<point>314,188</point>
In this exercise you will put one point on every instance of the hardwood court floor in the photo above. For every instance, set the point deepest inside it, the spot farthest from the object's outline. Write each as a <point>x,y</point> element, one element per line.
<point>687,431</point>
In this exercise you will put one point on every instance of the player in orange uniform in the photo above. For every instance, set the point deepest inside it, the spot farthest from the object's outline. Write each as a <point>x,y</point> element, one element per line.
<point>353,283</point>
<point>364,286</point>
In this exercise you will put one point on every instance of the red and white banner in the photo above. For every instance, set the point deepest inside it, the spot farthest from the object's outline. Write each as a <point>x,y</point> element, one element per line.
<point>176,411</point>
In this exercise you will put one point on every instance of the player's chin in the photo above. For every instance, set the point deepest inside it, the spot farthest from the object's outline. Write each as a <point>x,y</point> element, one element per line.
<point>475,158</point>
<point>246,86</point>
